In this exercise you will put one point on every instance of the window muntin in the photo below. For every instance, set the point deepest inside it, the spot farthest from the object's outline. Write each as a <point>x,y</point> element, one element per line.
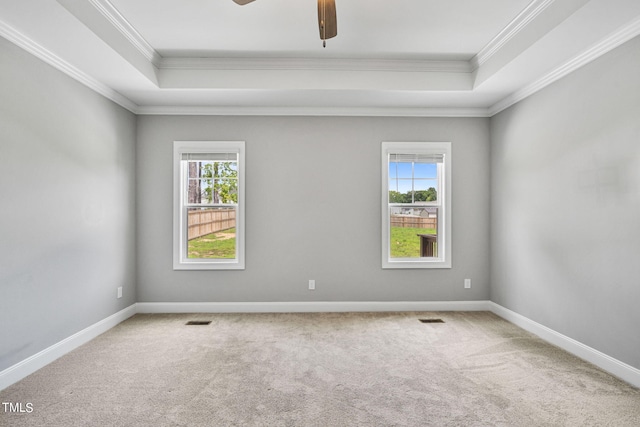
<point>416,216</point>
<point>208,222</point>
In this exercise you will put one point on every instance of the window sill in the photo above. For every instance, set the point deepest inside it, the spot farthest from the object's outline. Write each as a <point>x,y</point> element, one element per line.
<point>209,265</point>
<point>415,263</point>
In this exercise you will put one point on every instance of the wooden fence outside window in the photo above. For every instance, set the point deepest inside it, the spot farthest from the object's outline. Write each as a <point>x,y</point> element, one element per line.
<point>413,222</point>
<point>206,221</point>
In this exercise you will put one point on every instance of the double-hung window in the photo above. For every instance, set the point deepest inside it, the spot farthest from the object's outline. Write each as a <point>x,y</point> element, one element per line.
<point>416,205</point>
<point>208,223</point>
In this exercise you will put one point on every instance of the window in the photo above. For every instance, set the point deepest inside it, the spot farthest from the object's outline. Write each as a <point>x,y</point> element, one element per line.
<point>416,200</point>
<point>208,220</point>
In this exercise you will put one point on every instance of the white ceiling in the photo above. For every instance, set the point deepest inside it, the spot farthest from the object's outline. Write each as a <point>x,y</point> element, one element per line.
<point>367,28</point>
<point>401,57</point>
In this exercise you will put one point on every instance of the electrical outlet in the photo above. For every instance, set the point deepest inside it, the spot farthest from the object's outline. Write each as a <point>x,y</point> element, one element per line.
<point>467,283</point>
<point>312,285</point>
<point>119,291</point>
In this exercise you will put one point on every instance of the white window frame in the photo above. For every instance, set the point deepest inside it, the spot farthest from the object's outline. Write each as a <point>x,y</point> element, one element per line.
<point>180,260</point>
<point>443,260</point>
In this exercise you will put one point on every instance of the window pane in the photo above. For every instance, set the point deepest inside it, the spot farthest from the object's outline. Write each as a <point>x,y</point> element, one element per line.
<point>206,189</point>
<point>397,197</point>
<point>400,169</point>
<point>194,193</point>
<point>425,190</point>
<point>411,182</point>
<point>211,233</point>
<point>413,232</point>
<point>223,169</point>
<point>425,170</point>
<point>212,182</point>
<point>225,191</point>
<point>405,186</point>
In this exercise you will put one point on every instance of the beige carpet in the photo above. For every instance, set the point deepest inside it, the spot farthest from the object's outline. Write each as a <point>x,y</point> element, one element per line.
<point>330,369</point>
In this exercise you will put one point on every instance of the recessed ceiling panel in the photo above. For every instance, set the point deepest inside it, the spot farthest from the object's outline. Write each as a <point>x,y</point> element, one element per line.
<point>452,29</point>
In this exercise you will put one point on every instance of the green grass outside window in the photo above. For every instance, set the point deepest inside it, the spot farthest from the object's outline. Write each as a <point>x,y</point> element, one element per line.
<point>221,244</point>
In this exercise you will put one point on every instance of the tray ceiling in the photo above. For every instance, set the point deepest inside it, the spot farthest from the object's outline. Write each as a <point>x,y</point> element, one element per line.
<point>407,57</point>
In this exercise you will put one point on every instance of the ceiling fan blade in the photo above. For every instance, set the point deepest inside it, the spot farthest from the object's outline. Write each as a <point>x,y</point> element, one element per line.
<point>327,22</point>
<point>242,2</point>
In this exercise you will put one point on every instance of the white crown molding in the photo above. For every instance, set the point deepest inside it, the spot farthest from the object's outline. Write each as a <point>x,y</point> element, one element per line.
<point>312,111</point>
<point>109,11</point>
<point>617,38</point>
<point>52,59</point>
<point>535,8</point>
<point>330,64</point>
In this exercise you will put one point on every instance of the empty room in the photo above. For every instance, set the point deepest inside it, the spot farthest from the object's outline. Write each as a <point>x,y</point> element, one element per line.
<point>319,213</point>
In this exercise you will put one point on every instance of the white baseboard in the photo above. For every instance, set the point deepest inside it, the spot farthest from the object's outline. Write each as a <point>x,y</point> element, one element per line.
<point>28,366</point>
<point>22,369</point>
<point>309,306</point>
<point>613,366</point>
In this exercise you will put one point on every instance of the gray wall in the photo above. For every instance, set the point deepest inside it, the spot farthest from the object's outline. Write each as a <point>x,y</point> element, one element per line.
<point>566,205</point>
<point>563,194</point>
<point>67,214</point>
<point>313,210</point>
